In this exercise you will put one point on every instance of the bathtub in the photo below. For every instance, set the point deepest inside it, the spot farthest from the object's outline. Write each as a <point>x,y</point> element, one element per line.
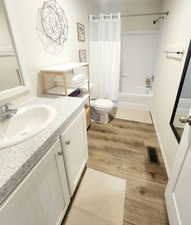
<point>139,98</point>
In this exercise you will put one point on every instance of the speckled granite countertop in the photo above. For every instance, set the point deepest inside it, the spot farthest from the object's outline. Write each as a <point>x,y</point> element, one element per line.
<point>17,161</point>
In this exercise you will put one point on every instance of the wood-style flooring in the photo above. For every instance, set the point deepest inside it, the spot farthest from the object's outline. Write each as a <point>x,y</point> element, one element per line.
<point>119,149</point>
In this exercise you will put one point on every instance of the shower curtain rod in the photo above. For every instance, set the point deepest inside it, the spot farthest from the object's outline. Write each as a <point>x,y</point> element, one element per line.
<point>140,14</point>
<point>146,14</point>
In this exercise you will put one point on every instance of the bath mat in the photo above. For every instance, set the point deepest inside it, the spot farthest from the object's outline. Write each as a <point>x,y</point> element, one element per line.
<point>99,201</point>
<point>138,115</point>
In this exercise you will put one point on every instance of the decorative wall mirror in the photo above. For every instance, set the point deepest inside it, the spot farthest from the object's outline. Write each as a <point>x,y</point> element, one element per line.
<point>183,99</point>
<point>12,78</point>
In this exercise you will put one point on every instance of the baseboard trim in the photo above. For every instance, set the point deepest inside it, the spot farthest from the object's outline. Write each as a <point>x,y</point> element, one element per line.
<point>161,145</point>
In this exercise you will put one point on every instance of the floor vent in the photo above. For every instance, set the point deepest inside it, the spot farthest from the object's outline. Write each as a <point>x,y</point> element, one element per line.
<point>152,155</point>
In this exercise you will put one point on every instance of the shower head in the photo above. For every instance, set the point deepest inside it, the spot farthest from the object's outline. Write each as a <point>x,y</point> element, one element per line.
<point>156,21</point>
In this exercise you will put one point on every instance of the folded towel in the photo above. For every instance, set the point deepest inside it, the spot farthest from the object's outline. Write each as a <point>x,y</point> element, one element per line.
<point>78,77</point>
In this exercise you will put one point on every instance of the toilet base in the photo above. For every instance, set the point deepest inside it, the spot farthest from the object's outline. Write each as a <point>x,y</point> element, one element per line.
<point>103,118</point>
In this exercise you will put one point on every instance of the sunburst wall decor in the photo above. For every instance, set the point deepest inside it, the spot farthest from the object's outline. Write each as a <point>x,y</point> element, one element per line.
<point>52,26</point>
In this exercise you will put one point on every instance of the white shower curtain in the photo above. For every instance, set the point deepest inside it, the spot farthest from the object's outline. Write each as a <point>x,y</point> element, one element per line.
<point>105,51</point>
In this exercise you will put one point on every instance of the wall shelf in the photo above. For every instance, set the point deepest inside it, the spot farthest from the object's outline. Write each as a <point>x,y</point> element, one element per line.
<point>49,86</point>
<point>64,67</point>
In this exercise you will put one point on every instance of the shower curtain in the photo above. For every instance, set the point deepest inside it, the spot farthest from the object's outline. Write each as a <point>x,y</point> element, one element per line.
<point>105,51</point>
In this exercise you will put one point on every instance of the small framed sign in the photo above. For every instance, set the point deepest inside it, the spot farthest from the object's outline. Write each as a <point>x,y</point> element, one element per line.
<point>82,55</point>
<point>81,32</point>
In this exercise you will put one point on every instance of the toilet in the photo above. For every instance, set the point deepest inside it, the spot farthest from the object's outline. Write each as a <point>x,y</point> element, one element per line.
<point>102,108</point>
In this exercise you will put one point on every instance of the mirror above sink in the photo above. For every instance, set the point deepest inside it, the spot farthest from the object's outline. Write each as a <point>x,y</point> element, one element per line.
<point>13,78</point>
<point>9,67</point>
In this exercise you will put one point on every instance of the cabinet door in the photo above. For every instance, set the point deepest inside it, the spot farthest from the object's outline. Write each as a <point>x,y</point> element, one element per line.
<point>42,199</point>
<point>74,142</point>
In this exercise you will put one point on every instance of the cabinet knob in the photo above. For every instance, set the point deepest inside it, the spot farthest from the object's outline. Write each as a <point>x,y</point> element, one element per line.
<point>67,142</point>
<point>60,153</point>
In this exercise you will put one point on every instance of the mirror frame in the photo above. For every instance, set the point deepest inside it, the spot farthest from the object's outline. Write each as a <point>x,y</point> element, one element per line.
<point>16,40</point>
<point>186,64</point>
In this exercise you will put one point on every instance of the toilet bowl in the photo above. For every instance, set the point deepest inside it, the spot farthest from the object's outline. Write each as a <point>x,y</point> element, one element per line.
<point>103,107</point>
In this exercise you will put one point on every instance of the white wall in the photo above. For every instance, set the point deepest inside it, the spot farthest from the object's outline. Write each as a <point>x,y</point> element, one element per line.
<point>138,59</point>
<point>176,31</point>
<point>35,55</point>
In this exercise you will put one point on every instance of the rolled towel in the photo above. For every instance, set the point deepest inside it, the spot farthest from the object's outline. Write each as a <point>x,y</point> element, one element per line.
<point>78,77</point>
<point>77,81</point>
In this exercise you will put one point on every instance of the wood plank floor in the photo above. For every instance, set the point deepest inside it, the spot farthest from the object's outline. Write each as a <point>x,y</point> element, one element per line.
<point>119,149</point>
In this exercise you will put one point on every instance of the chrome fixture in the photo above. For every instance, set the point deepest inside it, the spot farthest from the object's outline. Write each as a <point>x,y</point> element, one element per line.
<point>7,111</point>
<point>157,20</point>
<point>146,14</point>
<point>138,14</point>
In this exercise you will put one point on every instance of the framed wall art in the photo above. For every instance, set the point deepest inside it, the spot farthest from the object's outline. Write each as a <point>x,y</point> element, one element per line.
<point>81,32</point>
<point>82,55</point>
<point>52,26</point>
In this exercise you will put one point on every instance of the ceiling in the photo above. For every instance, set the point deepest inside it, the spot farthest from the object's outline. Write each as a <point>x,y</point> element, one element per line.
<point>102,2</point>
<point>128,5</point>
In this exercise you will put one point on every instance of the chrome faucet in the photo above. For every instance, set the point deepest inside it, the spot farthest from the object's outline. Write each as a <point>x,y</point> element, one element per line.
<point>7,111</point>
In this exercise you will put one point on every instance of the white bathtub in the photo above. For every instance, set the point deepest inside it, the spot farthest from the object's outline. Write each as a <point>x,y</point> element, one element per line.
<point>138,98</point>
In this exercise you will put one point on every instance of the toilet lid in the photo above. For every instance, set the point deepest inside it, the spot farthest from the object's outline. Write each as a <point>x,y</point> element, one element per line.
<point>103,103</point>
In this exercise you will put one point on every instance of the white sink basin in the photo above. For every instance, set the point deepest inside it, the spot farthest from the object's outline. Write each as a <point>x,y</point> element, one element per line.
<point>26,123</point>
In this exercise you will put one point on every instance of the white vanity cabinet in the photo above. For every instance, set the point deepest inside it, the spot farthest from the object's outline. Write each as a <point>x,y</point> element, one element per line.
<point>43,197</point>
<point>74,142</point>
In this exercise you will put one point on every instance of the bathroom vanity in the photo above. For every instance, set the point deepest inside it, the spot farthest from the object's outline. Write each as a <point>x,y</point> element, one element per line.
<point>40,174</point>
